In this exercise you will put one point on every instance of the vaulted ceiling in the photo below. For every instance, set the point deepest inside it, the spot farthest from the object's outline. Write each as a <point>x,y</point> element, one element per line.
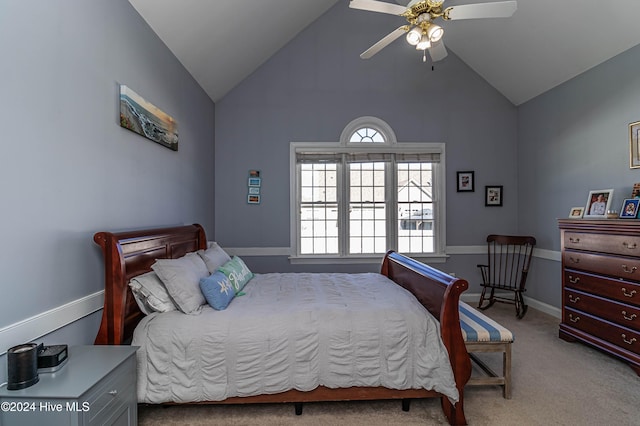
<point>545,43</point>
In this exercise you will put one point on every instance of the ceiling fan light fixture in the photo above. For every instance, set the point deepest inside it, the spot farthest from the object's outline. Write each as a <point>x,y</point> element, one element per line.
<point>435,32</point>
<point>414,36</point>
<point>424,43</point>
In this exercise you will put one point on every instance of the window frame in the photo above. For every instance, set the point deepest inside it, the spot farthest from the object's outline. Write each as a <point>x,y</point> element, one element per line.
<point>394,147</point>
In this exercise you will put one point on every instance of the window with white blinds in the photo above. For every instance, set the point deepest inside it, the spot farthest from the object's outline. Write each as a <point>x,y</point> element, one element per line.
<point>352,202</point>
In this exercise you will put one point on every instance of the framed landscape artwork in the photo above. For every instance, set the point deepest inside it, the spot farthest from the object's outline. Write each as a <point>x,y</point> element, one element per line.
<point>144,118</point>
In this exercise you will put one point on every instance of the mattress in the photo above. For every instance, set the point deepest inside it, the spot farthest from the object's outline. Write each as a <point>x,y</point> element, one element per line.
<point>294,331</point>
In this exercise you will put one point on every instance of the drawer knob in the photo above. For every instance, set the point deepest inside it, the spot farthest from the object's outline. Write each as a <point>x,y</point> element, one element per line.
<point>628,342</point>
<point>630,317</point>
<point>113,392</point>
<point>574,299</point>
<point>628,294</point>
<point>574,240</point>
<point>573,280</point>
<point>572,260</point>
<point>629,271</point>
<point>630,246</point>
<point>573,319</point>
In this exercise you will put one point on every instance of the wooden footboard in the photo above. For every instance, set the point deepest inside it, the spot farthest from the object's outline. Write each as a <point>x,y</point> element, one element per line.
<point>439,293</point>
<point>131,253</point>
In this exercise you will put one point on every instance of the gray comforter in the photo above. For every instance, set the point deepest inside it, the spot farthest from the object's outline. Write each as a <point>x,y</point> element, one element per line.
<point>294,331</point>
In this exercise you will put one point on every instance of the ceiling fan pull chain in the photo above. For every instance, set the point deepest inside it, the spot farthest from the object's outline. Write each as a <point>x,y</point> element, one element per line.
<point>424,55</point>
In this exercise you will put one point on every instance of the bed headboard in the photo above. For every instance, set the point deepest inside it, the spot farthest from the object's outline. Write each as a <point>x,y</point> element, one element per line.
<point>131,253</point>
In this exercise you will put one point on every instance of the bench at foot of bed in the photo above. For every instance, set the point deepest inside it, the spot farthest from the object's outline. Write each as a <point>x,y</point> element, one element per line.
<point>482,334</point>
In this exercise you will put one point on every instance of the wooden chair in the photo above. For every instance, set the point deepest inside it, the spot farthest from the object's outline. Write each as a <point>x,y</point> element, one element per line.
<point>508,260</point>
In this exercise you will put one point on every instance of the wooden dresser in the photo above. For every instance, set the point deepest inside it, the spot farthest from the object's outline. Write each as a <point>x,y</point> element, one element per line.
<point>601,285</point>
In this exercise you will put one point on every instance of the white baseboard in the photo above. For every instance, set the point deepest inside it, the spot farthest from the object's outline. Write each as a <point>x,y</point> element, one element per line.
<point>47,322</point>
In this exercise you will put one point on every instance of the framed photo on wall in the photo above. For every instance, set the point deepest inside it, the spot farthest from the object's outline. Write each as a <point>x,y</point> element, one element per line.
<point>493,195</point>
<point>465,182</point>
<point>634,147</point>
<point>598,202</point>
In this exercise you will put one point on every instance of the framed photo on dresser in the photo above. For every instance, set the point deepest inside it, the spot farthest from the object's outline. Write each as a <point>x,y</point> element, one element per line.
<point>629,208</point>
<point>598,203</point>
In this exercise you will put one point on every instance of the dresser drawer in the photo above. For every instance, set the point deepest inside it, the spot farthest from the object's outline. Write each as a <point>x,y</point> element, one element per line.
<point>627,268</point>
<point>615,244</point>
<point>116,389</point>
<point>625,315</point>
<point>622,337</point>
<point>620,290</point>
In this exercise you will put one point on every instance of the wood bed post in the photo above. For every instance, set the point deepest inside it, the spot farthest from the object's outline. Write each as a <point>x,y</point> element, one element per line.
<point>112,324</point>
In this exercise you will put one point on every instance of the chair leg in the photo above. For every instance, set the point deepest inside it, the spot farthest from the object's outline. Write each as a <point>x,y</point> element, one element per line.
<point>521,307</point>
<point>491,299</point>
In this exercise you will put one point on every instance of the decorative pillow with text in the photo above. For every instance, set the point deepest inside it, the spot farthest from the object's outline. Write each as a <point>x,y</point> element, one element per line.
<point>237,272</point>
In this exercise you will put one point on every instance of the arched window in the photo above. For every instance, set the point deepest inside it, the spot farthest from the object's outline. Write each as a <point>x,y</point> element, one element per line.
<point>364,130</point>
<point>367,194</point>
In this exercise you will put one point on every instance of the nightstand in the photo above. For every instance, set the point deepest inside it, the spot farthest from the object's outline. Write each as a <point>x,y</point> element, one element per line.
<point>97,386</point>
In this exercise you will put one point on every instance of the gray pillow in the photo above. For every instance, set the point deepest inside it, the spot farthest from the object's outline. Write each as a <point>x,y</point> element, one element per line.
<point>150,294</point>
<point>214,256</point>
<point>182,277</point>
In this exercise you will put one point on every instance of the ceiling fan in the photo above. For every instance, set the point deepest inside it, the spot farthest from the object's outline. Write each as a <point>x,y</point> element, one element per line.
<point>422,32</point>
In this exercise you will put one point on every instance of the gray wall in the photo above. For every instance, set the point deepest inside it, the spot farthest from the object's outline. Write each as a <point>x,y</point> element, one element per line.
<point>67,168</point>
<point>317,84</point>
<point>573,139</point>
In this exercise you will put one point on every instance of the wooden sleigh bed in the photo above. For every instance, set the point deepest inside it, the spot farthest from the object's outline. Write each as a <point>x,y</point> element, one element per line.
<point>129,254</point>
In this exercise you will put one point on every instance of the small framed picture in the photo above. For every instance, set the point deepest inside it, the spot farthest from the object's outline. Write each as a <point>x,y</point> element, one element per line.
<point>493,195</point>
<point>634,145</point>
<point>598,202</point>
<point>465,182</point>
<point>254,173</point>
<point>629,208</point>
<point>254,190</point>
<point>576,212</point>
<point>253,199</point>
<point>255,181</point>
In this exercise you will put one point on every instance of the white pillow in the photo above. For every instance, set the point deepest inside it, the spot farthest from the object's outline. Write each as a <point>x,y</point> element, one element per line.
<point>150,294</point>
<point>214,256</point>
<point>182,277</point>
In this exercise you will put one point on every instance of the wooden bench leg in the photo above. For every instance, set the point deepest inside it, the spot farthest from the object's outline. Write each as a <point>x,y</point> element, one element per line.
<point>506,368</point>
<point>492,377</point>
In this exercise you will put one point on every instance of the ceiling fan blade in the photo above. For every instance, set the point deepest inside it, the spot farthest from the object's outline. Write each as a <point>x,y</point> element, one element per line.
<point>384,42</point>
<point>501,9</point>
<point>437,51</point>
<point>378,6</point>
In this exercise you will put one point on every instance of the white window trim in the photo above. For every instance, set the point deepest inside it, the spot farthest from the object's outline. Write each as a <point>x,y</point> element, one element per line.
<point>439,254</point>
